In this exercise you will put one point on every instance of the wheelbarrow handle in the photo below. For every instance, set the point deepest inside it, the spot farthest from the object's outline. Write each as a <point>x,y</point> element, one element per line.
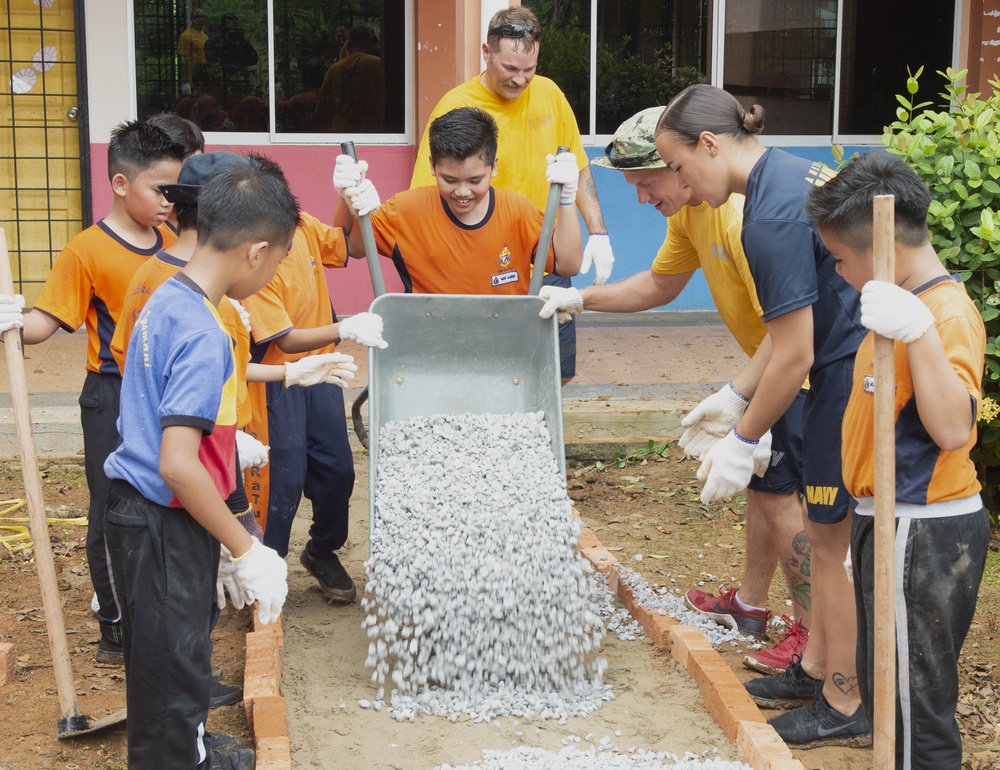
<point>545,238</point>
<point>367,236</point>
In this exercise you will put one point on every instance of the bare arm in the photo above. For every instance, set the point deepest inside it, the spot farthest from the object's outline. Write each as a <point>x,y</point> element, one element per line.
<point>777,371</point>
<point>306,340</point>
<point>943,402</point>
<point>588,203</point>
<point>567,242</point>
<point>38,327</point>
<point>641,291</point>
<point>343,219</point>
<point>189,481</point>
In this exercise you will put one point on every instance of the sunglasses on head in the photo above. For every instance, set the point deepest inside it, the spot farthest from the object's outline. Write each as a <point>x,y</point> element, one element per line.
<point>627,161</point>
<point>511,30</point>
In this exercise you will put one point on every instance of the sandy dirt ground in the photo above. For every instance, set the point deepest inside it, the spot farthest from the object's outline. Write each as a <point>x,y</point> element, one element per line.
<point>656,706</point>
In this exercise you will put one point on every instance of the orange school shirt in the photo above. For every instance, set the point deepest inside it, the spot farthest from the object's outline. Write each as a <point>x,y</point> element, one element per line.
<point>435,253</point>
<point>87,285</point>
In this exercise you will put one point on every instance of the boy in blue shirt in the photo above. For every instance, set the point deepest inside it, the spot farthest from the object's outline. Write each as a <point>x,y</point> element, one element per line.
<point>175,467</point>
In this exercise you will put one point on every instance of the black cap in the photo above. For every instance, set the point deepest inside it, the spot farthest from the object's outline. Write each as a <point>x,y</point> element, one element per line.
<point>196,172</point>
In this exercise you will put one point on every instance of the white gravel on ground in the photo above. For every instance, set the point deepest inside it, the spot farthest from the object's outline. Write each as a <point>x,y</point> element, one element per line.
<point>602,756</point>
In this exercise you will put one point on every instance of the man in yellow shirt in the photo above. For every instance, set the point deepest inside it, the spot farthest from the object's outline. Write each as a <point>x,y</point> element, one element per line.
<point>699,236</point>
<point>534,119</point>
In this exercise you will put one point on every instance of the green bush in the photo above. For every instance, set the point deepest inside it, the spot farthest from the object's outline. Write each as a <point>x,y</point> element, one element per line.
<point>956,151</point>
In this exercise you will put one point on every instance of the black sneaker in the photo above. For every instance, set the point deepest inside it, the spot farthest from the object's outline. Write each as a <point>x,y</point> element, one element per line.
<point>224,695</point>
<point>109,649</point>
<point>819,724</point>
<point>222,742</point>
<point>787,690</point>
<point>241,759</point>
<point>333,579</point>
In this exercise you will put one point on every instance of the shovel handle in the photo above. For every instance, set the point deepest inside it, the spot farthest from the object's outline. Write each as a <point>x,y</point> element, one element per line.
<point>54,622</point>
<point>545,238</point>
<point>367,235</point>
<point>884,647</point>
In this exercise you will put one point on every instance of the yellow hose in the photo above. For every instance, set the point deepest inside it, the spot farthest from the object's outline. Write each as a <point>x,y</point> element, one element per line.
<point>20,537</point>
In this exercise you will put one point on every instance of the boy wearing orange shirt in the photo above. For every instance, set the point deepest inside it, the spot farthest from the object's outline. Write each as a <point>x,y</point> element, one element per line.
<point>87,286</point>
<point>942,528</point>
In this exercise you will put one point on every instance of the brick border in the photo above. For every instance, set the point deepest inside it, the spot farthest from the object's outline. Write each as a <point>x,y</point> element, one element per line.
<point>726,700</point>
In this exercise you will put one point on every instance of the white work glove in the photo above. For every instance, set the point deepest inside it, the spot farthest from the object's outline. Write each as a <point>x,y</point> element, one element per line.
<point>244,314</point>
<point>185,89</point>
<point>599,252</point>
<point>11,312</point>
<point>727,467</point>
<point>365,329</point>
<point>226,583</point>
<point>558,298</point>
<point>712,419</point>
<point>894,312</point>
<point>762,455</point>
<point>251,451</point>
<point>333,368</point>
<point>849,566</point>
<point>362,199</point>
<point>262,575</point>
<point>348,172</point>
<point>561,169</point>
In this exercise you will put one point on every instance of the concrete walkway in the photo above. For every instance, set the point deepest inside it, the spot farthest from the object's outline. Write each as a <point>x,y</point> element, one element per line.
<point>637,375</point>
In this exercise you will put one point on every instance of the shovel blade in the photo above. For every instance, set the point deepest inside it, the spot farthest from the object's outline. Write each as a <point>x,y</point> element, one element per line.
<point>81,724</point>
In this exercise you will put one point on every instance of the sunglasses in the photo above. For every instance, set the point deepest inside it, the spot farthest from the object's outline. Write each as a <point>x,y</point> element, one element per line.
<point>511,30</point>
<point>627,161</point>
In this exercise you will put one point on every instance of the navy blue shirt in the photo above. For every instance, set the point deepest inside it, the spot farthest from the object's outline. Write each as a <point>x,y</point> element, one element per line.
<point>790,265</point>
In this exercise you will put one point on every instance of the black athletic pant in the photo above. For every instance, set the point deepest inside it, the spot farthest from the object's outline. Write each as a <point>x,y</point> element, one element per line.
<point>99,402</point>
<point>939,564</point>
<point>164,565</point>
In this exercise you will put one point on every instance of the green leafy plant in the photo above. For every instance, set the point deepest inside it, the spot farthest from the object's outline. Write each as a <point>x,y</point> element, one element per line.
<point>955,149</point>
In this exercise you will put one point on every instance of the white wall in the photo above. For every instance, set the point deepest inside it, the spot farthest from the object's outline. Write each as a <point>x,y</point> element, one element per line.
<point>109,66</point>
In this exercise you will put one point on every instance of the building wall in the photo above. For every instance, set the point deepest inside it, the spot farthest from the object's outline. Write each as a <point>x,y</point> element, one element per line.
<point>447,51</point>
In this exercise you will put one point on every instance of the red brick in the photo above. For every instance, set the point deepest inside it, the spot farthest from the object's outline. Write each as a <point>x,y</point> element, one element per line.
<point>274,754</point>
<point>8,667</point>
<point>600,558</point>
<point>262,676</point>
<point>684,640</point>
<point>760,747</point>
<point>269,718</point>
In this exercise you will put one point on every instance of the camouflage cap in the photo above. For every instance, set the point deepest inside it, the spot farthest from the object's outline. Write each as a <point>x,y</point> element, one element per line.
<point>633,147</point>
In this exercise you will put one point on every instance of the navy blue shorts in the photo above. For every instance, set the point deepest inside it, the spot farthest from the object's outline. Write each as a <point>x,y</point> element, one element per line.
<point>784,474</point>
<point>826,499</point>
<point>567,332</point>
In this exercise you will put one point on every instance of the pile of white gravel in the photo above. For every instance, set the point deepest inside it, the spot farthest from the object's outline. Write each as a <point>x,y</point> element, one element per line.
<point>478,601</point>
<point>603,756</point>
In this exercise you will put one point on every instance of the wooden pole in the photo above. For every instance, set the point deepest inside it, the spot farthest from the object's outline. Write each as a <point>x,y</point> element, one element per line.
<point>884,726</point>
<point>44,564</point>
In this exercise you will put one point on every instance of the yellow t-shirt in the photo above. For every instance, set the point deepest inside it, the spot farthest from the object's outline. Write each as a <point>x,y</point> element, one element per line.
<point>700,236</point>
<point>530,127</point>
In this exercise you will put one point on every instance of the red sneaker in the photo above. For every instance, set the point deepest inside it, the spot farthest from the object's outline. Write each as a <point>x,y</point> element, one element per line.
<point>776,659</point>
<point>726,611</point>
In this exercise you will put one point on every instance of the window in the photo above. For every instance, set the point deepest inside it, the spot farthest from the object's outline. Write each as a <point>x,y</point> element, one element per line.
<point>646,52</point>
<point>337,67</point>
<point>781,54</point>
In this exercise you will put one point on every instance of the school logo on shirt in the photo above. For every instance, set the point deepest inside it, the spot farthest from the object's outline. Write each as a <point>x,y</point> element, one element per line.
<point>869,383</point>
<point>504,258</point>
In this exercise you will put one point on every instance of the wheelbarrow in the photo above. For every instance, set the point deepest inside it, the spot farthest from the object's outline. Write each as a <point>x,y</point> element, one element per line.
<point>456,354</point>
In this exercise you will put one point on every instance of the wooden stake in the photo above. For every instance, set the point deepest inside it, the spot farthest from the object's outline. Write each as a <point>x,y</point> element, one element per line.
<point>72,723</point>
<point>884,726</point>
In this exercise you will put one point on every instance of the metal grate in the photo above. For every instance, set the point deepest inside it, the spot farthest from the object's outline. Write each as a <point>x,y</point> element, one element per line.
<point>41,203</point>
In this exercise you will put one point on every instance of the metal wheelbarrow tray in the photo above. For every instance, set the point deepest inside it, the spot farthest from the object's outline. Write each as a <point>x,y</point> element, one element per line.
<point>462,354</point>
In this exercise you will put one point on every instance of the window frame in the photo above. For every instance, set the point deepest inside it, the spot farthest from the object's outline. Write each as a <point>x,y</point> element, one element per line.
<point>274,137</point>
